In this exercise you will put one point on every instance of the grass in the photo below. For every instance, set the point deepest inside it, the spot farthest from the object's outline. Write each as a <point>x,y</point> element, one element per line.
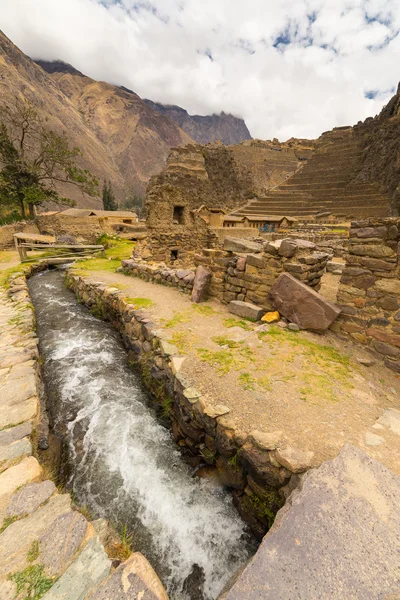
<point>204,309</point>
<point>123,549</point>
<point>139,302</point>
<point>323,373</point>
<point>225,360</point>
<point>6,274</point>
<point>183,340</point>
<point>33,551</point>
<point>31,582</point>
<point>232,322</point>
<point>177,319</point>
<point>7,522</point>
<point>223,341</point>
<point>116,250</point>
<point>247,381</point>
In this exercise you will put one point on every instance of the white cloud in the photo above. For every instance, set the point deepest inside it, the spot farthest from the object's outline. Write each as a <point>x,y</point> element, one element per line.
<point>289,68</point>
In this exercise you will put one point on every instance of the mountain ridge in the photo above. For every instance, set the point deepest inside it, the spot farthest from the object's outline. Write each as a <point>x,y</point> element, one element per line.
<point>205,129</point>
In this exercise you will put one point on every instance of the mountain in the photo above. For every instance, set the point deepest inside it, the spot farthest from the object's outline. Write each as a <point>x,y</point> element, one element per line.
<point>380,139</point>
<point>223,127</point>
<point>137,137</point>
<point>21,78</point>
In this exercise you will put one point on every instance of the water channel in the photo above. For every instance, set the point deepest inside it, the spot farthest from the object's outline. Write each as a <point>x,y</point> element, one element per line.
<point>123,464</point>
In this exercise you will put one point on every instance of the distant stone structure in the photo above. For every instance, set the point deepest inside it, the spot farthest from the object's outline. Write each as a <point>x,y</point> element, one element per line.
<point>329,183</point>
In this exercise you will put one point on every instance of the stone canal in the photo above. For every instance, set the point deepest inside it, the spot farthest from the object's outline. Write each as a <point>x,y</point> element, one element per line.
<point>120,458</point>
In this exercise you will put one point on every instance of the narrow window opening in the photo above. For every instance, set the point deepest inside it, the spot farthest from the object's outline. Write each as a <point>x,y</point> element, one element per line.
<point>174,255</point>
<point>179,214</point>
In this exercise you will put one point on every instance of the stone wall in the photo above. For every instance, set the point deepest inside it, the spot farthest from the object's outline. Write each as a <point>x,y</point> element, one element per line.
<point>244,272</point>
<point>87,228</point>
<point>7,231</point>
<point>369,292</point>
<point>260,473</point>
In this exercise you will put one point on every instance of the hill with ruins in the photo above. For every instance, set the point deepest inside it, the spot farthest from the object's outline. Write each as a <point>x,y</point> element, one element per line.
<point>226,176</point>
<point>208,128</point>
<point>346,173</point>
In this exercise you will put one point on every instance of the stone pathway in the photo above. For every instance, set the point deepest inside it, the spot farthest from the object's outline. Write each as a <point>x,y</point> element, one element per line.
<point>47,548</point>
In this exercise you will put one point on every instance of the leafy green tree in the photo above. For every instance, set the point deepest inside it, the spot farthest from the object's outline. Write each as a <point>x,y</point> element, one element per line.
<point>34,159</point>
<point>135,202</point>
<point>109,201</point>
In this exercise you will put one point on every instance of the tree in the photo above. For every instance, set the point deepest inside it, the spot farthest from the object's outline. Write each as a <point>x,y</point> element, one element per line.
<point>135,202</point>
<point>109,201</point>
<point>34,159</point>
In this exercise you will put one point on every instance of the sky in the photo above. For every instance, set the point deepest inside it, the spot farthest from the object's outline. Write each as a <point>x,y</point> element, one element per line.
<point>288,67</point>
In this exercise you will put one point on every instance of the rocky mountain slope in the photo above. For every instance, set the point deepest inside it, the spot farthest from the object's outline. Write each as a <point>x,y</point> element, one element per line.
<point>205,129</point>
<point>21,78</point>
<point>137,137</point>
<point>380,138</point>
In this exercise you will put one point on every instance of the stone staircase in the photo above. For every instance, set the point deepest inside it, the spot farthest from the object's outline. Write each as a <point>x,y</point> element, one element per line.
<point>326,183</point>
<point>48,549</point>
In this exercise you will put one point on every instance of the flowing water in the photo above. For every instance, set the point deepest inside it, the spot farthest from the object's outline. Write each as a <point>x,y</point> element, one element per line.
<point>123,463</point>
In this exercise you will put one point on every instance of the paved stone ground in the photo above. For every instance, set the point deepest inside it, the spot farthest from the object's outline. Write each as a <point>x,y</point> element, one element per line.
<point>45,544</point>
<point>310,388</point>
<point>338,538</point>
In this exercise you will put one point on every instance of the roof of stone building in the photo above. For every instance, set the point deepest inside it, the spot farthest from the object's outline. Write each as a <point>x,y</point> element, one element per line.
<point>89,212</point>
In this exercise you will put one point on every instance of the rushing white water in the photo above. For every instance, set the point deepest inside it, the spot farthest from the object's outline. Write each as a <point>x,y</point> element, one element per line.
<point>124,463</point>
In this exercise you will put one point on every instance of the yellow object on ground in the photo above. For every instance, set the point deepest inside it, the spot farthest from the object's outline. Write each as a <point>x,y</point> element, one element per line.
<point>271,317</point>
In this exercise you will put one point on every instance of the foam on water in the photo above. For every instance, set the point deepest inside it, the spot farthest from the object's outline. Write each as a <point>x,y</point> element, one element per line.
<point>124,463</point>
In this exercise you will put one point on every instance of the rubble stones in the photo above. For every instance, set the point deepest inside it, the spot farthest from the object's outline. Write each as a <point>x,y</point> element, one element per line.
<point>302,305</point>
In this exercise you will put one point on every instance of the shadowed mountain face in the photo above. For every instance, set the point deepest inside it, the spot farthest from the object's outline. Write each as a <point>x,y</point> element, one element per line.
<point>205,129</point>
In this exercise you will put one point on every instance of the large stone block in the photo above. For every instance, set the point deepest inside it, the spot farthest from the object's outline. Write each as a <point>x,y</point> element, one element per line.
<point>134,579</point>
<point>301,304</point>
<point>201,283</point>
<point>241,245</point>
<point>337,538</point>
<point>246,310</point>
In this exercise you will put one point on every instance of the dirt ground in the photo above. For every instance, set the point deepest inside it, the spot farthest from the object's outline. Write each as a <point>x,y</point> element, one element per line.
<point>310,387</point>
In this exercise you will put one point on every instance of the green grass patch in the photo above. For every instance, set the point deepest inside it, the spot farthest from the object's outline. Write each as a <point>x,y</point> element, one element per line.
<point>223,341</point>
<point>232,322</point>
<point>31,582</point>
<point>33,551</point>
<point>177,319</point>
<point>7,522</point>
<point>140,302</point>
<point>204,309</point>
<point>247,381</point>
<point>116,250</point>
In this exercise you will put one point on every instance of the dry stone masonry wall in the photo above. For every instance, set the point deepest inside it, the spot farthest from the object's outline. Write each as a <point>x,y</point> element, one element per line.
<point>369,292</point>
<point>242,270</point>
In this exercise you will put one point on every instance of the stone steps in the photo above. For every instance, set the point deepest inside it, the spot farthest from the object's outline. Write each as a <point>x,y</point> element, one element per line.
<point>326,183</point>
